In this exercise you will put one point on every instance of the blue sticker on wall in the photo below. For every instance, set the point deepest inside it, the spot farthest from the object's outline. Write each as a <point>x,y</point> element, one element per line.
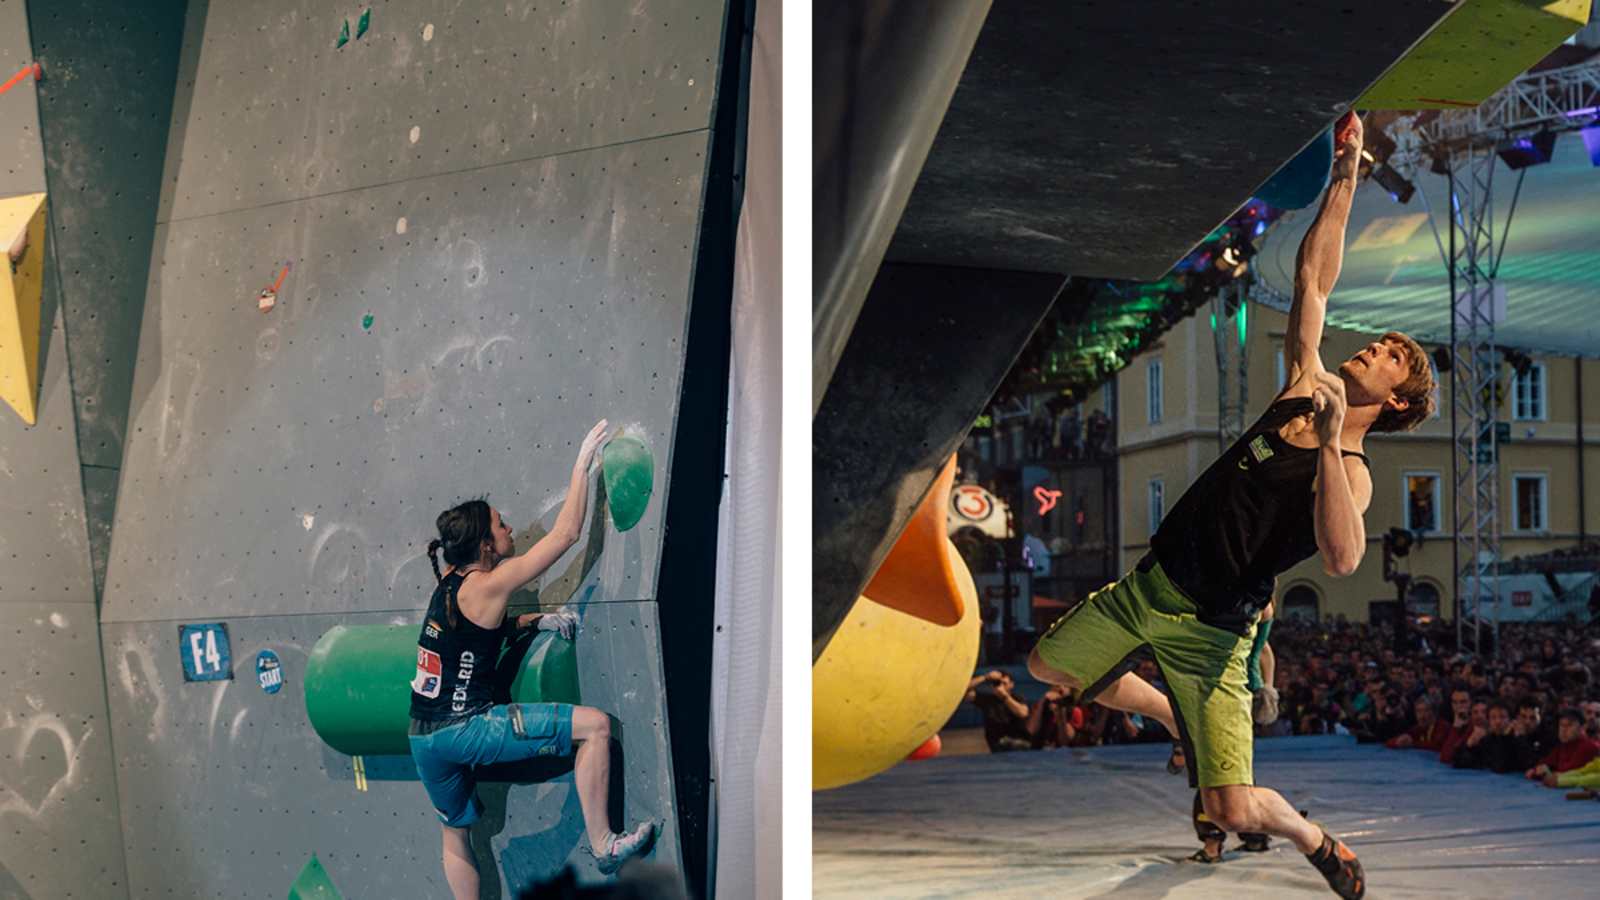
<point>204,649</point>
<point>269,671</point>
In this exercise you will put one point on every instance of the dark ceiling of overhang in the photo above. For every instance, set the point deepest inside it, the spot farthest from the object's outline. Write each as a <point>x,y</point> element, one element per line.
<point>1105,139</point>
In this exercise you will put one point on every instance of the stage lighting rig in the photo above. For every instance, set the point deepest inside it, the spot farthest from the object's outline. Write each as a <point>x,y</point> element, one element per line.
<point>1529,150</point>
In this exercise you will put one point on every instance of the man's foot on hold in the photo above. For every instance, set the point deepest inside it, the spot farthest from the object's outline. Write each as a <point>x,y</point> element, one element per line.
<point>1175,761</point>
<point>622,847</point>
<point>1340,866</point>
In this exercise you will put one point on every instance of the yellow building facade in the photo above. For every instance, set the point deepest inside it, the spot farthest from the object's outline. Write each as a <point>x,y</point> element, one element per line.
<point>1167,417</point>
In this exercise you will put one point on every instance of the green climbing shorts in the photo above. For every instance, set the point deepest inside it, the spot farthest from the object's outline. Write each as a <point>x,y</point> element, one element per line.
<point>1203,667</point>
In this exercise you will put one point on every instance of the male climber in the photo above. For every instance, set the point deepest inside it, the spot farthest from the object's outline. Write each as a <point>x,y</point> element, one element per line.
<point>1295,484</point>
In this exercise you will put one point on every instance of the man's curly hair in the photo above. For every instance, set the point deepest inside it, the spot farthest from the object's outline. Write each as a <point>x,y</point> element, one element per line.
<point>1416,390</point>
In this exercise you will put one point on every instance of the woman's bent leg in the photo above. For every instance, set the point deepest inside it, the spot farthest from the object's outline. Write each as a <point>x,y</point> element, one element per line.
<point>591,770</point>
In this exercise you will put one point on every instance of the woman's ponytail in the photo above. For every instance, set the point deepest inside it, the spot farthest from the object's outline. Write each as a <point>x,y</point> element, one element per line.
<point>433,557</point>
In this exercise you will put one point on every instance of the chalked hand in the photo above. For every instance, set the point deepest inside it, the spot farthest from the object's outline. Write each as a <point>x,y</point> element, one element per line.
<point>591,443</point>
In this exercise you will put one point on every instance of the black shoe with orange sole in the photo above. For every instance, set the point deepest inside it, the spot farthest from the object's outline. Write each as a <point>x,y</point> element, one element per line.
<point>1339,865</point>
<point>1176,762</point>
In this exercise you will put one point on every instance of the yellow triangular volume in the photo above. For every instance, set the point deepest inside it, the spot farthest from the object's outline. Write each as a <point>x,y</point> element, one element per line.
<point>21,286</point>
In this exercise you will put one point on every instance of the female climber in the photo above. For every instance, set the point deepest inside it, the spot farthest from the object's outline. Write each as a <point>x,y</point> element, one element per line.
<point>455,725</point>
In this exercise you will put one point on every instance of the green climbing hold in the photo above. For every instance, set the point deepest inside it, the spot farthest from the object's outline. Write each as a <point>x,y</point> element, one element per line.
<point>344,35</point>
<point>629,472</point>
<point>366,321</point>
<point>361,26</point>
<point>314,883</point>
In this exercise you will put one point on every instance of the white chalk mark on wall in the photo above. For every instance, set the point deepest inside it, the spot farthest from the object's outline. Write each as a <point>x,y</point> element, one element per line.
<point>145,691</point>
<point>183,389</point>
<point>339,559</point>
<point>18,801</point>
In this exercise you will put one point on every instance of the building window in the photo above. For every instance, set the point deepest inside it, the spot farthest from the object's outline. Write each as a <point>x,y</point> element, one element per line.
<point>1422,501</point>
<point>1158,503</point>
<point>1529,500</point>
<point>1299,603</point>
<point>1423,599</point>
<point>1528,399</point>
<point>1153,373</point>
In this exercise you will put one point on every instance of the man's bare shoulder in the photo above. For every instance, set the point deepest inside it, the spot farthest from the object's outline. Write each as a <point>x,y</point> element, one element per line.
<point>1302,377</point>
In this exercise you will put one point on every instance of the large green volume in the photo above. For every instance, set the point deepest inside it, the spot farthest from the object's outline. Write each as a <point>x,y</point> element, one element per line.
<point>358,684</point>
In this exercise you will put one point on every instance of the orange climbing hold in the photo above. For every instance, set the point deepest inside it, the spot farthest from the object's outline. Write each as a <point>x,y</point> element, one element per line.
<point>919,577</point>
<point>34,69</point>
<point>929,749</point>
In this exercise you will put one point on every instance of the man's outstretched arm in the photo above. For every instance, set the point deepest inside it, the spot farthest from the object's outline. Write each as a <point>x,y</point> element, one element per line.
<point>1321,255</point>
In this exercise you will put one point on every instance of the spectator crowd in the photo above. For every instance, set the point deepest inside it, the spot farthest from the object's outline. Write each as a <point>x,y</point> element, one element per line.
<point>1057,719</point>
<point>1534,710</point>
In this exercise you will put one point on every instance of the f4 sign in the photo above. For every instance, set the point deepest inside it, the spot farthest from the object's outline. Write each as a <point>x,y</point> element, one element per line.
<point>204,649</point>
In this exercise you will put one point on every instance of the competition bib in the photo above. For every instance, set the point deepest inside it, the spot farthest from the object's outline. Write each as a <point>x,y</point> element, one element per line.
<point>430,671</point>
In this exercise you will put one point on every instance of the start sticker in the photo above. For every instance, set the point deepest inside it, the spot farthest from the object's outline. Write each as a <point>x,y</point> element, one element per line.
<point>269,671</point>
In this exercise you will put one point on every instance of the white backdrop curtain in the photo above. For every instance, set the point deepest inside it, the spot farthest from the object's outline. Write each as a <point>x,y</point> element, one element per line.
<point>746,701</point>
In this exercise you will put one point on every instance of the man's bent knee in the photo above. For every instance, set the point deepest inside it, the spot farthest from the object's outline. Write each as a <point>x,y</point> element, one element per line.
<point>1046,673</point>
<point>1229,807</point>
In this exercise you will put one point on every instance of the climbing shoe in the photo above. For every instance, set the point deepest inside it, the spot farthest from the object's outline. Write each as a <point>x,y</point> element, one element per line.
<point>1339,865</point>
<point>623,847</point>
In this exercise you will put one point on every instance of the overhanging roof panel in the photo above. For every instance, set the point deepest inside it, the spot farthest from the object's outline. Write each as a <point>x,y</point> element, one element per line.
<point>1106,139</point>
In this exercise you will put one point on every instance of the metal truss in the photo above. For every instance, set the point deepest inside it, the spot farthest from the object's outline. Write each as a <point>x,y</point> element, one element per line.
<point>1557,99</point>
<point>1464,142</point>
<point>1474,388</point>
<point>1228,318</point>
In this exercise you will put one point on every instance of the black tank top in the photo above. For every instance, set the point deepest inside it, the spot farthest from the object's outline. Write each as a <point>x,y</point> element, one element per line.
<point>1247,518</point>
<point>455,665</point>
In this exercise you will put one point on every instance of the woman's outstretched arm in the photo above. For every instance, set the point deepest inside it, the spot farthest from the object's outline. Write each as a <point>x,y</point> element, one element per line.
<point>511,575</point>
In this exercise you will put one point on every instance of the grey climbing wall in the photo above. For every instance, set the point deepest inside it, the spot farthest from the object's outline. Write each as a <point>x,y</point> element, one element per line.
<point>488,219</point>
<point>104,107</point>
<point>21,153</point>
<point>59,834</point>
